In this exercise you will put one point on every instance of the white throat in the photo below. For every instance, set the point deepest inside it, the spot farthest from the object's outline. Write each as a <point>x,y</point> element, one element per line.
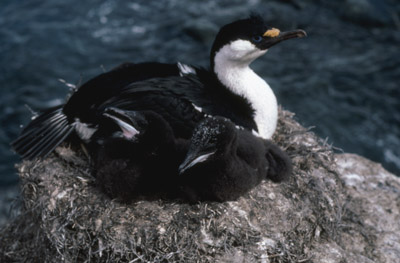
<point>232,68</point>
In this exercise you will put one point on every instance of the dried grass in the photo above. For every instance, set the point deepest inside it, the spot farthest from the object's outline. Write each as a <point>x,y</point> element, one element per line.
<point>66,218</point>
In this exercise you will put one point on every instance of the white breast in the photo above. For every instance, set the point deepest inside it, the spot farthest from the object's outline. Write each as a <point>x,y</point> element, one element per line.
<point>232,68</point>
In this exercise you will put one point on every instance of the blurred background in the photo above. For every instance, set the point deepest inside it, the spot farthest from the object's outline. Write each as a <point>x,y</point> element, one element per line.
<point>343,79</point>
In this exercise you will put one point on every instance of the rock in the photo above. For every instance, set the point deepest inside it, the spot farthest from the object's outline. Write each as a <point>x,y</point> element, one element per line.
<point>374,206</point>
<point>335,208</point>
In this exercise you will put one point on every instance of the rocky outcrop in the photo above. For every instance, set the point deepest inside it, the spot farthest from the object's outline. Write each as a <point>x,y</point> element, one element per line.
<point>335,208</point>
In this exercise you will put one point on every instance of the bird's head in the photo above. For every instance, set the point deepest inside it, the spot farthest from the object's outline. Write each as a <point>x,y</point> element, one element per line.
<point>243,41</point>
<point>211,139</point>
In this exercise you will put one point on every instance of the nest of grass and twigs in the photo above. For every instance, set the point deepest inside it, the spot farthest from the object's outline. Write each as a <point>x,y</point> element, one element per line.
<point>67,218</point>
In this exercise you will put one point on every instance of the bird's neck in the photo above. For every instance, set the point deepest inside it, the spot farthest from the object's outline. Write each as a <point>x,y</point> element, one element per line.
<point>241,80</point>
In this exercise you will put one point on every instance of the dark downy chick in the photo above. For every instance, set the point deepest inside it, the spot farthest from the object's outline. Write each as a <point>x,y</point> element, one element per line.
<point>136,155</point>
<point>224,162</point>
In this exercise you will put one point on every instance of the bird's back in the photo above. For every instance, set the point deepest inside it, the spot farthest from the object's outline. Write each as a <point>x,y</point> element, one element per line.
<point>182,99</point>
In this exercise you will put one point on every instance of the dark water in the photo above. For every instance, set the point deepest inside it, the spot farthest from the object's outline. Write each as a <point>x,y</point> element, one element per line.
<point>344,79</point>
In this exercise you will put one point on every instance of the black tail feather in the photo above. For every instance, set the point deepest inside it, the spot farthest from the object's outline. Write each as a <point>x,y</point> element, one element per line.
<point>51,137</point>
<point>43,134</point>
<point>25,140</point>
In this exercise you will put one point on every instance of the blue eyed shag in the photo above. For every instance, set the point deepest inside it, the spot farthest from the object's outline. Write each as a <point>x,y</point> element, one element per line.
<point>224,162</point>
<point>182,94</point>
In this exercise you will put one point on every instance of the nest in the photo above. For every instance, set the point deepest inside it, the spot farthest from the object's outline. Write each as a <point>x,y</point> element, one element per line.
<point>67,218</point>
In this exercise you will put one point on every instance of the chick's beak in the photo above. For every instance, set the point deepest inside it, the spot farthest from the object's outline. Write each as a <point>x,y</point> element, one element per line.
<point>193,158</point>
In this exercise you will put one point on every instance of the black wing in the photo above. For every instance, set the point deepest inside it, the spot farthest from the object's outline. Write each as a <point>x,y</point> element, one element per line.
<point>109,84</point>
<point>54,125</point>
<point>173,98</point>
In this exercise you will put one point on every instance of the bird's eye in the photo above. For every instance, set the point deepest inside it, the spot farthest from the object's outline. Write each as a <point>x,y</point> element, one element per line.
<point>257,39</point>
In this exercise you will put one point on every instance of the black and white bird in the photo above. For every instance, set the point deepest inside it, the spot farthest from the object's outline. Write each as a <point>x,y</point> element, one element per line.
<point>224,162</point>
<point>135,154</point>
<point>183,95</point>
